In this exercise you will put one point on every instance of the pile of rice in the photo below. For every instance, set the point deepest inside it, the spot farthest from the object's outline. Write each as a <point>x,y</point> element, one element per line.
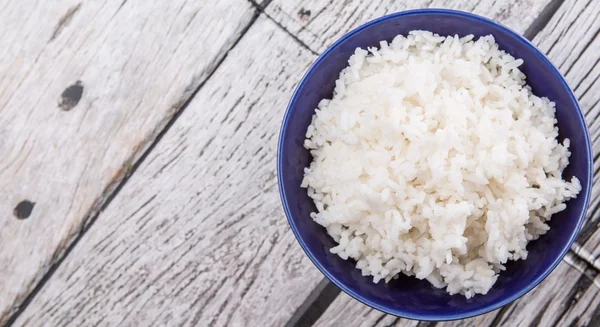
<point>435,160</point>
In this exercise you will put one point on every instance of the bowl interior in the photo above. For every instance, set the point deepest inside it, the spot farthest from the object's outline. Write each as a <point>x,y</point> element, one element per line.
<point>408,296</point>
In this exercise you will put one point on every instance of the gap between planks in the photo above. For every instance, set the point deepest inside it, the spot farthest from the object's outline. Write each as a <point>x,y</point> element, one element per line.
<point>261,9</point>
<point>542,20</point>
<point>111,196</point>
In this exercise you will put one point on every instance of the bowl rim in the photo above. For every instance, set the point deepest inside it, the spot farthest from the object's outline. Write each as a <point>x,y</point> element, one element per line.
<point>407,314</point>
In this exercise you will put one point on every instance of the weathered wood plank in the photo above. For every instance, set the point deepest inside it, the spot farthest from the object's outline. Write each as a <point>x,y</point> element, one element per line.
<point>84,89</point>
<point>197,235</point>
<point>570,294</point>
<point>318,23</point>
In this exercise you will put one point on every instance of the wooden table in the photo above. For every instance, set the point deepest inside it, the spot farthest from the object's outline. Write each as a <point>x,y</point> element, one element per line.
<point>137,155</point>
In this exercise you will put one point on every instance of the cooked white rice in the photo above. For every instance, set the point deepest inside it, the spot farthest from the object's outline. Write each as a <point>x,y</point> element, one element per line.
<point>434,159</point>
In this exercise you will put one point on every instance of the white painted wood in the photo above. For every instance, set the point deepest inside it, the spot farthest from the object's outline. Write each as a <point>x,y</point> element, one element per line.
<point>138,61</point>
<point>318,23</point>
<point>570,294</point>
<point>197,235</point>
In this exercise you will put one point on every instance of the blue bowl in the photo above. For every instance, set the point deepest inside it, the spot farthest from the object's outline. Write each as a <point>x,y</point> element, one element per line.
<point>407,296</point>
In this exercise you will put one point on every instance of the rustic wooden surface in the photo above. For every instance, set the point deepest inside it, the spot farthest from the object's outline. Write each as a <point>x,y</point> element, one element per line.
<point>84,89</point>
<point>196,235</point>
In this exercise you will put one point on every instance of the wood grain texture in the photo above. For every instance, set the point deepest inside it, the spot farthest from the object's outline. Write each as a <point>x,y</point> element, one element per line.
<point>197,235</point>
<point>318,23</point>
<point>568,297</point>
<point>84,89</point>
